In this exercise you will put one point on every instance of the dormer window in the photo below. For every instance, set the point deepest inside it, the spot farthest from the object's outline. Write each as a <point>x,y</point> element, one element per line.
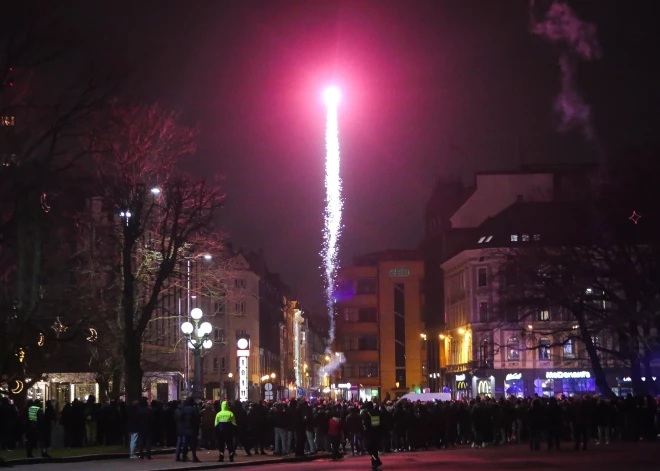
<point>489,238</point>
<point>525,238</point>
<point>481,240</point>
<point>537,237</point>
<point>514,238</point>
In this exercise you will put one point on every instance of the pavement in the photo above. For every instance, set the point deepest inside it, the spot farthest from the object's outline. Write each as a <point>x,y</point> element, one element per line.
<point>637,457</point>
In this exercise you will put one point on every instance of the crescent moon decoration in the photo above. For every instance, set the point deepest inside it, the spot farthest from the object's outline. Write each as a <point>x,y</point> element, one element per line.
<point>44,204</point>
<point>58,327</point>
<point>20,354</point>
<point>93,335</point>
<point>42,338</point>
<point>18,388</point>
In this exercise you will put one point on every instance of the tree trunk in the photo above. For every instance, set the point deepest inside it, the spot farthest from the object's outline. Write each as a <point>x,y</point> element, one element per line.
<point>596,365</point>
<point>115,391</point>
<point>133,369</point>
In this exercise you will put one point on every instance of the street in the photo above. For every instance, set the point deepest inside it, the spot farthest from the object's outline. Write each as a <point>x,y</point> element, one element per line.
<point>640,457</point>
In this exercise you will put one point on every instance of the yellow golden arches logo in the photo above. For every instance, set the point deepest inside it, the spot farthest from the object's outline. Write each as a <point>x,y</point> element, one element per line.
<point>461,385</point>
<point>483,386</point>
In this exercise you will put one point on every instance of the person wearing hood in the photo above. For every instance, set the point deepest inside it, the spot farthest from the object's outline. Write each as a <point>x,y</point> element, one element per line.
<point>371,421</point>
<point>225,425</point>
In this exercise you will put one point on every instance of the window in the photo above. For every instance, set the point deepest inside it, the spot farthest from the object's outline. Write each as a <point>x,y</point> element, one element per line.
<point>368,370</point>
<point>481,240</point>
<point>569,349</point>
<point>511,314</point>
<point>544,349</point>
<point>537,237</point>
<point>483,312</point>
<point>215,365</point>
<point>482,277</point>
<point>489,238</point>
<point>525,238</point>
<point>514,238</point>
<point>544,315</point>
<point>350,314</point>
<point>367,342</point>
<point>218,335</point>
<point>596,341</point>
<point>366,286</point>
<point>510,274</point>
<point>513,352</point>
<point>240,307</point>
<point>368,314</point>
<point>223,364</point>
<point>239,283</point>
<point>484,354</point>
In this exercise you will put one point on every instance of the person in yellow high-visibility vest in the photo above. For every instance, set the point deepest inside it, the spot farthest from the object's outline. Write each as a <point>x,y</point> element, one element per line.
<point>225,429</point>
<point>34,424</point>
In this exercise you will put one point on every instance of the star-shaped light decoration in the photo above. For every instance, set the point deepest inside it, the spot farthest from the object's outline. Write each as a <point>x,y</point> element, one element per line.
<point>20,354</point>
<point>58,327</point>
<point>635,217</point>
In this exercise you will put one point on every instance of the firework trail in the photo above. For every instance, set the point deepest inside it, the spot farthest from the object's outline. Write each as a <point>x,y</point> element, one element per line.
<point>561,26</point>
<point>333,202</point>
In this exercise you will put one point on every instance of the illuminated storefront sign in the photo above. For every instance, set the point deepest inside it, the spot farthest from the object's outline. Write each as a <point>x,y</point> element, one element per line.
<point>344,386</point>
<point>513,376</point>
<point>628,379</point>
<point>243,352</point>
<point>460,378</point>
<point>483,387</point>
<point>567,374</point>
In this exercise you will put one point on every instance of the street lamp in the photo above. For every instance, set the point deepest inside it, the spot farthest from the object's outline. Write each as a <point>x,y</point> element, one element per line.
<point>199,340</point>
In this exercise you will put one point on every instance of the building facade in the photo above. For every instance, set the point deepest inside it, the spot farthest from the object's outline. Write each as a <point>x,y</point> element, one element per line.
<point>492,348</point>
<point>380,326</point>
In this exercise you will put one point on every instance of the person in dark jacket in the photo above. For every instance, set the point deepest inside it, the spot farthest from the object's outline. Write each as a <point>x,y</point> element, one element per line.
<point>554,422</point>
<point>47,428</point>
<point>242,422</point>
<point>191,421</point>
<point>180,432</point>
<point>371,420</point>
<point>145,417</point>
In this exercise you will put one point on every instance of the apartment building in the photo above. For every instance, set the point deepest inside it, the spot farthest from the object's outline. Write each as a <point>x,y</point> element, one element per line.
<point>379,326</point>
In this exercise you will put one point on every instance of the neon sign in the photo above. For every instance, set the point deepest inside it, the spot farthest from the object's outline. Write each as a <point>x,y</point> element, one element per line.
<point>567,374</point>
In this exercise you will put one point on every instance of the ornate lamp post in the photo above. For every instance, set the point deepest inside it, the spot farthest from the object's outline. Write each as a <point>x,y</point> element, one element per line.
<point>198,340</point>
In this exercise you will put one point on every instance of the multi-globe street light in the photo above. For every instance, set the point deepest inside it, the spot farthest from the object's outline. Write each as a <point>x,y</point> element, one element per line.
<point>198,339</point>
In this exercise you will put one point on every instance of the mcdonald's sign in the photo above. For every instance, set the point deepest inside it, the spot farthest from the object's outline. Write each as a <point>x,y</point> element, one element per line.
<point>483,387</point>
<point>461,385</point>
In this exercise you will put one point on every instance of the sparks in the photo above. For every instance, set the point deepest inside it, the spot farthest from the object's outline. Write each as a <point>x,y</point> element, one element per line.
<point>333,201</point>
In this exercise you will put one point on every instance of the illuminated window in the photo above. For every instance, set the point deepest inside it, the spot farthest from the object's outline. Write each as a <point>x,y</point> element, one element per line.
<point>569,349</point>
<point>537,237</point>
<point>525,238</point>
<point>7,121</point>
<point>544,315</point>
<point>544,349</point>
<point>489,238</point>
<point>513,352</point>
<point>481,240</point>
<point>514,238</point>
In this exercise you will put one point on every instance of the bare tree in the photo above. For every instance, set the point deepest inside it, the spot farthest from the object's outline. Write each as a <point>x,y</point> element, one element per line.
<point>605,280</point>
<point>47,94</point>
<point>160,217</point>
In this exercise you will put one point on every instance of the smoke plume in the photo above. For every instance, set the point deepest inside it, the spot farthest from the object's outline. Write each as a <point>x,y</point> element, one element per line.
<point>578,41</point>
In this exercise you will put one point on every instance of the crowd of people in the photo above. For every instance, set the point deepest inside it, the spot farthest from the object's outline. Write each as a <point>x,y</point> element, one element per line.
<point>302,427</point>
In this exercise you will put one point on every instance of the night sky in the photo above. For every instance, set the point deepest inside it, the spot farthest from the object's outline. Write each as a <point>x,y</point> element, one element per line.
<point>429,88</point>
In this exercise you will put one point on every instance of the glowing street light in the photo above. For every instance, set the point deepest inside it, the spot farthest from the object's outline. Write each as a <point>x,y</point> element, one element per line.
<point>199,340</point>
<point>208,256</point>
<point>155,190</point>
<point>461,331</point>
<point>273,375</point>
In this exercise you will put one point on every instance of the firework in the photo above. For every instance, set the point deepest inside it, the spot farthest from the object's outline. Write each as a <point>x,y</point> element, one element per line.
<point>333,201</point>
